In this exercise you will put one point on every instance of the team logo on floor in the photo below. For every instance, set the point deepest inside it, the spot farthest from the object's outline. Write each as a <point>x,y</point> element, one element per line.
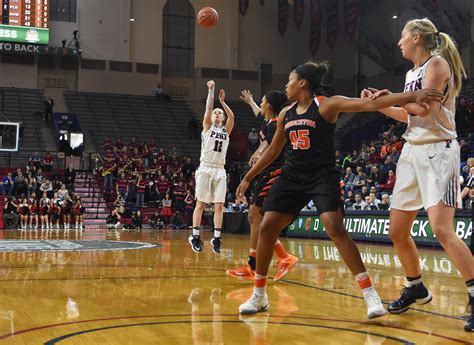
<point>62,245</point>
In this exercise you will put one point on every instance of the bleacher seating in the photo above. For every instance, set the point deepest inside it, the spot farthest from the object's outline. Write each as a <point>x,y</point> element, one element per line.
<point>113,115</point>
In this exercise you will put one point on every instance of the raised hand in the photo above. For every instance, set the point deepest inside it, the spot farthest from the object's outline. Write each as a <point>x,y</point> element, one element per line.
<point>222,96</point>
<point>211,84</point>
<point>246,96</point>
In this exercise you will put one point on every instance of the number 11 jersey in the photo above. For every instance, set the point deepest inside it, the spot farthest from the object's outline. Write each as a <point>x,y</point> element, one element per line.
<point>214,144</point>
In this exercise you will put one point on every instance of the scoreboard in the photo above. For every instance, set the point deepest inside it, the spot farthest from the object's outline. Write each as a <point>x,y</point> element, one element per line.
<point>25,21</point>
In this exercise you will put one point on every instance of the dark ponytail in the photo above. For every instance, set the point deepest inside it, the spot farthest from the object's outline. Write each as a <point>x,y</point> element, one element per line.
<point>277,100</point>
<point>313,73</point>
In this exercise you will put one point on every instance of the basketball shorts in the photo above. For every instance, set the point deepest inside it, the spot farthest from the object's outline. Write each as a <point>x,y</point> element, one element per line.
<point>291,192</point>
<point>263,187</point>
<point>427,174</point>
<point>211,184</point>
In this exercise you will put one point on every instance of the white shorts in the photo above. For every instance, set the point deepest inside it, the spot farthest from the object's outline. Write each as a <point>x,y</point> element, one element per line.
<point>211,184</point>
<point>427,174</point>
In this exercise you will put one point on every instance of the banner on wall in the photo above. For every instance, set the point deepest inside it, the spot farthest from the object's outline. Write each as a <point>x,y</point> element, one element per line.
<point>351,15</point>
<point>375,228</point>
<point>298,12</point>
<point>332,11</point>
<point>243,6</point>
<point>315,27</point>
<point>282,16</point>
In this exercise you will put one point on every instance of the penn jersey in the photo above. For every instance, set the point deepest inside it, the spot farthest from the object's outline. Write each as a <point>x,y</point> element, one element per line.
<point>214,144</point>
<point>439,125</point>
<point>310,140</point>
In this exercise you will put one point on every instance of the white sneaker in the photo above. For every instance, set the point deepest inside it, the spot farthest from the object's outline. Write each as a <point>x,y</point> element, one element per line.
<point>375,307</point>
<point>255,304</point>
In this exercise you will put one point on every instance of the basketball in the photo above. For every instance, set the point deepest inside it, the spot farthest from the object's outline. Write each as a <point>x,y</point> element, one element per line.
<point>208,17</point>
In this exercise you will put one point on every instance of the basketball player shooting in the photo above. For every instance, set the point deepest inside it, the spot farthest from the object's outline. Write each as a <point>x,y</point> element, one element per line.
<point>211,175</point>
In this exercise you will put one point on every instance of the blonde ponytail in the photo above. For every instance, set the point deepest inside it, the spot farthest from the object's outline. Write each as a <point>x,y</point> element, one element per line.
<point>447,49</point>
<point>439,43</point>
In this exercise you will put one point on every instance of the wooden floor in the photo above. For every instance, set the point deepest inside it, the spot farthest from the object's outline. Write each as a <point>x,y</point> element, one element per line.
<point>170,295</point>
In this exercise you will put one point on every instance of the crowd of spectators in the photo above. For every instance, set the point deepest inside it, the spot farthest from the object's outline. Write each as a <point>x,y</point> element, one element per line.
<point>39,196</point>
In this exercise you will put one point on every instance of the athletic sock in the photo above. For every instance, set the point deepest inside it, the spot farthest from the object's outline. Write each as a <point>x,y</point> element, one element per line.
<point>217,232</point>
<point>470,287</point>
<point>364,281</point>
<point>260,286</point>
<point>412,281</point>
<point>252,261</point>
<point>280,251</point>
<point>196,231</point>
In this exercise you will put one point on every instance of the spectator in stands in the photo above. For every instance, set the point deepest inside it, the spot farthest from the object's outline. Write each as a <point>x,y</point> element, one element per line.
<point>39,177</point>
<point>395,143</point>
<point>48,162</point>
<point>162,187</point>
<point>63,193</point>
<point>56,183</point>
<point>384,149</point>
<point>395,155</point>
<point>121,187</point>
<point>359,203</point>
<point>253,139</point>
<point>391,179</point>
<point>108,169</point>
<point>177,221</point>
<point>375,177</point>
<point>31,186</point>
<point>463,115</point>
<point>357,159</point>
<point>46,187</point>
<point>179,193</point>
<point>137,221</point>
<point>10,215</point>
<point>348,179</point>
<point>20,184</point>
<point>70,177</point>
<point>48,108</point>
<point>190,201</point>
<point>8,184</point>
<point>35,159</point>
<point>347,161</point>
<point>158,91</point>
<point>193,128</point>
<point>387,166</point>
<point>188,168</point>
<point>140,189</point>
<point>151,147</point>
<point>465,150</point>
<point>119,145</point>
<point>373,202</point>
<point>132,145</point>
<point>156,222</point>
<point>349,201</point>
<point>360,180</point>
<point>385,204</point>
<point>166,211</point>
<point>364,192</point>
<point>373,189</point>
<point>374,157</point>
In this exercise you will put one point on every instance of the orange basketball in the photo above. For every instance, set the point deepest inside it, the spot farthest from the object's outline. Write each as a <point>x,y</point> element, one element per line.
<point>207,17</point>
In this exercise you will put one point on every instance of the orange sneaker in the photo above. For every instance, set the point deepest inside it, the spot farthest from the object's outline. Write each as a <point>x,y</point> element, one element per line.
<point>244,272</point>
<point>285,266</point>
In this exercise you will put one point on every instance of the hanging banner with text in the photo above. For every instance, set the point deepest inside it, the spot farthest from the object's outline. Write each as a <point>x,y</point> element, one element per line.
<point>374,228</point>
<point>22,34</point>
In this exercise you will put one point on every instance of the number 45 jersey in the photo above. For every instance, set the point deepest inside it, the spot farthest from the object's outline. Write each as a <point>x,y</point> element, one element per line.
<point>214,144</point>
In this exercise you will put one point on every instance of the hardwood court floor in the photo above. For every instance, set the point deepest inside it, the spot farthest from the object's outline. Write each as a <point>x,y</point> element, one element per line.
<point>170,295</point>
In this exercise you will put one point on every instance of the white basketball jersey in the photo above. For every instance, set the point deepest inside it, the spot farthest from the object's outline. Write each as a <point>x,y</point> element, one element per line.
<point>439,125</point>
<point>214,144</point>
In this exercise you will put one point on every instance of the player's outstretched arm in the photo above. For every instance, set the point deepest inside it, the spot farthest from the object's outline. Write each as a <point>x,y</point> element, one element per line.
<point>247,97</point>
<point>270,154</point>
<point>396,113</point>
<point>331,107</point>
<point>230,114</point>
<point>206,122</point>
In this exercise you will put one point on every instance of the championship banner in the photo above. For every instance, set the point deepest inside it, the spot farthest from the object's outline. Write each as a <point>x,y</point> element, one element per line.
<point>374,228</point>
<point>243,6</point>
<point>351,15</point>
<point>298,12</point>
<point>332,22</point>
<point>282,16</point>
<point>315,29</point>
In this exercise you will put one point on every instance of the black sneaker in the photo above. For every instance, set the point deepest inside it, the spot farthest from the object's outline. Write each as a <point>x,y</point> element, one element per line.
<point>216,245</point>
<point>195,242</point>
<point>469,326</point>
<point>416,294</point>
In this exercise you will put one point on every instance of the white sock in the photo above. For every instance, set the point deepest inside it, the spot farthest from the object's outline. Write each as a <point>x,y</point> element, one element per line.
<point>217,233</point>
<point>195,231</point>
<point>411,283</point>
<point>262,290</point>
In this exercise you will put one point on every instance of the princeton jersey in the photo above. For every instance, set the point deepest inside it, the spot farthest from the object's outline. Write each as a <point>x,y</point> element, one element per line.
<point>439,125</point>
<point>214,144</point>
<point>310,140</point>
<point>268,130</point>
